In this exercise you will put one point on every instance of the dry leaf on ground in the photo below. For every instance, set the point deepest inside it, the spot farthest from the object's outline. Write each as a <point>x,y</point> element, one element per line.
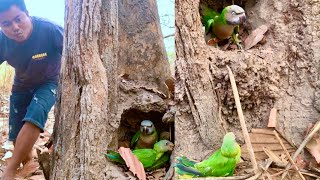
<point>313,147</point>
<point>156,175</point>
<point>255,37</point>
<point>132,162</point>
<point>300,162</point>
<point>28,169</point>
<point>37,177</point>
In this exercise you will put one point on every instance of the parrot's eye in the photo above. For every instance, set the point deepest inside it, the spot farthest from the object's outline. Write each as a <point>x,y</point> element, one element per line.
<point>233,13</point>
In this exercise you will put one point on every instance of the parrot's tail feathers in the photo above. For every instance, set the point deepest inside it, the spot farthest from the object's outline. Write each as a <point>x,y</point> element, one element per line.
<point>184,170</point>
<point>208,24</point>
<point>183,175</point>
<point>114,156</point>
<point>112,152</point>
<point>207,13</point>
<point>185,161</point>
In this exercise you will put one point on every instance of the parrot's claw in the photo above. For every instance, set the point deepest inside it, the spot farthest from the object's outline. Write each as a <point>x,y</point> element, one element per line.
<point>239,46</point>
<point>237,41</point>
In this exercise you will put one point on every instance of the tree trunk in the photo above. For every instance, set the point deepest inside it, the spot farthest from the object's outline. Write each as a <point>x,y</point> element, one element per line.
<point>84,127</point>
<point>142,54</point>
<point>282,74</point>
<point>104,93</point>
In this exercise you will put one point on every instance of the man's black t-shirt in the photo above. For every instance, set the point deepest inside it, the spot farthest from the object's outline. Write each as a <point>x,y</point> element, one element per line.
<point>36,60</point>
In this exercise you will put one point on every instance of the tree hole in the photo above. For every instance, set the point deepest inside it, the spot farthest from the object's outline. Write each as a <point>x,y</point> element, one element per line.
<point>242,32</point>
<point>130,124</point>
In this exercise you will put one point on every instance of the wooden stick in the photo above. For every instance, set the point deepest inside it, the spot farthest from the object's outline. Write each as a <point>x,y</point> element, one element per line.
<point>278,173</point>
<point>255,176</point>
<point>272,118</point>
<point>242,122</point>
<point>288,155</point>
<point>302,145</point>
<point>309,174</point>
<point>304,172</point>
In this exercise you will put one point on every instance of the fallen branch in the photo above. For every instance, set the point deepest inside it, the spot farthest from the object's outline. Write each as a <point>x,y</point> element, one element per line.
<point>302,145</point>
<point>256,176</point>
<point>278,173</point>
<point>242,122</point>
<point>288,155</point>
<point>315,169</point>
<point>303,171</point>
<point>309,174</point>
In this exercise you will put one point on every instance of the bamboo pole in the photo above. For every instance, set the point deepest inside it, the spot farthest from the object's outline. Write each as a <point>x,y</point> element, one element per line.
<point>242,121</point>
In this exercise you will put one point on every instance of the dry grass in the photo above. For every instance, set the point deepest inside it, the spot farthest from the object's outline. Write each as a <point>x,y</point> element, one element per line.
<point>6,78</point>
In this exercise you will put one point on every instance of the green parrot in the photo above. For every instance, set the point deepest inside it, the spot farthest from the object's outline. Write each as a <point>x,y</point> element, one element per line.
<point>223,25</point>
<point>160,162</point>
<point>150,158</point>
<point>221,163</point>
<point>145,137</point>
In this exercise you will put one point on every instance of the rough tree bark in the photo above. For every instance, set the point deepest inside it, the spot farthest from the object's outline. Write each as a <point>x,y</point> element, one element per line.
<point>85,123</point>
<point>102,87</point>
<point>283,73</point>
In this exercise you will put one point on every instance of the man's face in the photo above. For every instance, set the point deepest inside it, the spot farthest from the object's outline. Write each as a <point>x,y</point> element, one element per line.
<point>16,24</point>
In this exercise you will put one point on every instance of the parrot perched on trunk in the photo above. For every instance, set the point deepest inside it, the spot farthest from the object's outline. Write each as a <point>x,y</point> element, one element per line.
<point>221,163</point>
<point>223,25</point>
<point>148,157</point>
<point>145,137</point>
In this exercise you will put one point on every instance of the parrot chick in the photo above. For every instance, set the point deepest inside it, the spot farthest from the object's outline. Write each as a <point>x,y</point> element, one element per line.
<point>221,163</point>
<point>146,137</point>
<point>150,158</point>
<point>223,25</point>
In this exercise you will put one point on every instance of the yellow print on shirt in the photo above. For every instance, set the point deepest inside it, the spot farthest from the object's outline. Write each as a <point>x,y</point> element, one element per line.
<point>39,56</point>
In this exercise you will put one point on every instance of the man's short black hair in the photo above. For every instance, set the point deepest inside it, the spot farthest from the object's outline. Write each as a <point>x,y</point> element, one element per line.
<point>6,5</point>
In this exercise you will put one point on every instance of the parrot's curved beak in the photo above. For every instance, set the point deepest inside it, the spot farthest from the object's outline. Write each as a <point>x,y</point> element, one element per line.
<point>146,130</point>
<point>243,18</point>
<point>240,19</point>
<point>171,147</point>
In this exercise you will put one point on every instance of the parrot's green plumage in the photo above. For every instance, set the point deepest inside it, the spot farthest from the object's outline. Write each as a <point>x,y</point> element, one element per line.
<point>222,24</point>
<point>221,163</point>
<point>146,137</point>
<point>150,158</point>
<point>160,162</point>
